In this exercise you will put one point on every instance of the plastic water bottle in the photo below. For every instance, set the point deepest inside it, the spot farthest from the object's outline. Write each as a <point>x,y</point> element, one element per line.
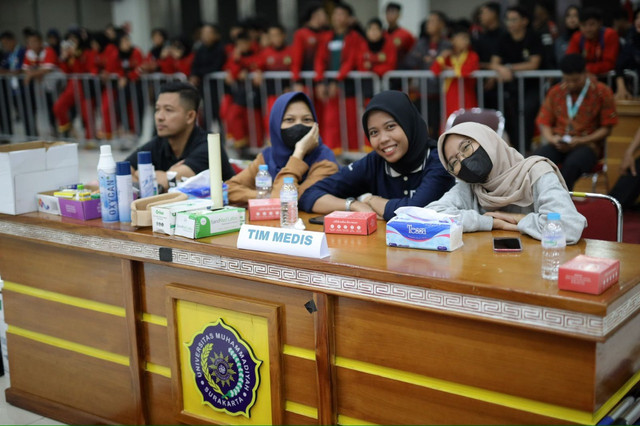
<point>553,244</point>
<point>263,182</point>
<point>145,174</point>
<point>125,190</point>
<point>107,180</point>
<point>288,203</point>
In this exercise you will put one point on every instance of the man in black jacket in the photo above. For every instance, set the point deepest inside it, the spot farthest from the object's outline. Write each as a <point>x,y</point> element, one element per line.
<point>209,57</point>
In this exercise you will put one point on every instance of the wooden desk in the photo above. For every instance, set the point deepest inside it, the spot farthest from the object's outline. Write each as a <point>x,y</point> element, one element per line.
<point>399,336</point>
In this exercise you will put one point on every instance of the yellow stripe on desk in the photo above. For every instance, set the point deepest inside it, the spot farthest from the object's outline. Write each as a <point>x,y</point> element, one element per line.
<point>515,402</point>
<point>617,397</point>
<point>70,346</point>
<point>154,319</point>
<point>158,369</point>
<point>299,352</point>
<point>345,420</point>
<point>64,299</point>
<point>301,409</point>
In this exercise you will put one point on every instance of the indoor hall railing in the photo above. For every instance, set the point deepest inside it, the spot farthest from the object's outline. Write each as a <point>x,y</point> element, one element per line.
<point>97,104</point>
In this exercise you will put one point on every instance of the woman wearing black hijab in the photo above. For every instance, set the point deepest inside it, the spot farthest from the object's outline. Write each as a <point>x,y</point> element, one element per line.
<point>403,170</point>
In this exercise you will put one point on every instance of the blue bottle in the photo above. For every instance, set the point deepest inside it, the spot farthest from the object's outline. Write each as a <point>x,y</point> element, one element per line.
<point>145,174</point>
<point>125,190</point>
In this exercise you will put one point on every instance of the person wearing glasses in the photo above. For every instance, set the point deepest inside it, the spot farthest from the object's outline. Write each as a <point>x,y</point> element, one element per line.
<point>402,170</point>
<point>499,189</point>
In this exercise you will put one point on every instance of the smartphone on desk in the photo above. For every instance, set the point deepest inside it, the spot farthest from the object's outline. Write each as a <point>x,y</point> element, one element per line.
<point>317,220</point>
<point>507,244</point>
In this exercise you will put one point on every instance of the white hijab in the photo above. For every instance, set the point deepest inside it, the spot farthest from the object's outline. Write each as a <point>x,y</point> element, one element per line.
<point>512,178</point>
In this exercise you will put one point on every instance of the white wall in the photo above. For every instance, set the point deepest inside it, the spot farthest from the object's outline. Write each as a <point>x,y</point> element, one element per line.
<point>137,14</point>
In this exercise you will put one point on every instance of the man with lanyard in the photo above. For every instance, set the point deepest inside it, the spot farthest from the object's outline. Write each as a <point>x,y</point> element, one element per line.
<point>575,120</point>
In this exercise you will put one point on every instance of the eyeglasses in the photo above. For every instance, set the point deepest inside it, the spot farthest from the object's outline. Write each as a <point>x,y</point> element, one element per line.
<point>465,150</point>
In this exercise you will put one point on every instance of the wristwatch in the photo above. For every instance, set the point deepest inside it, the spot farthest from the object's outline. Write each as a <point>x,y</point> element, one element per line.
<point>347,203</point>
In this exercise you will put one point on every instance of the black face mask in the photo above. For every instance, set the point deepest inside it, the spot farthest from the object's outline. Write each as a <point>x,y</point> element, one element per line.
<point>476,168</point>
<point>293,134</point>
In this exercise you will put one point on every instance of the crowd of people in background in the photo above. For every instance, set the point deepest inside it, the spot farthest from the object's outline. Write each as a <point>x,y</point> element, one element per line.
<point>504,41</point>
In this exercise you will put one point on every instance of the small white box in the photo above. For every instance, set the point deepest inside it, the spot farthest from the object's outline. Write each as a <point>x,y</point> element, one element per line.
<point>163,217</point>
<point>32,167</point>
<point>48,203</point>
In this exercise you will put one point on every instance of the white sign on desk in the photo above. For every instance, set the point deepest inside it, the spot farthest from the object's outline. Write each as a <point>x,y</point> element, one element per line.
<point>283,241</point>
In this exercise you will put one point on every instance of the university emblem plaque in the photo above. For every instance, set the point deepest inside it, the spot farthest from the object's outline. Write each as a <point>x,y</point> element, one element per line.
<point>225,369</point>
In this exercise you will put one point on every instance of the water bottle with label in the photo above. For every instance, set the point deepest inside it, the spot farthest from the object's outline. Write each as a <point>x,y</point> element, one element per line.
<point>263,182</point>
<point>288,203</point>
<point>553,244</point>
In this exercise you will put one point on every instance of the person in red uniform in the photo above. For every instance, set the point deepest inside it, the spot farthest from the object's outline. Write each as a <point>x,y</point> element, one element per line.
<point>598,45</point>
<point>303,50</point>
<point>74,59</point>
<point>276,57</point>
<point>378,54</point>
<point>402,39</point>
<point>125,63</point>
<point>335,53</point>
<point>305,42</point>
<point>158,58</point>
<point>181,57</point>
<point>235,109</point>
<point>462,61</point>
<point>39,60</point>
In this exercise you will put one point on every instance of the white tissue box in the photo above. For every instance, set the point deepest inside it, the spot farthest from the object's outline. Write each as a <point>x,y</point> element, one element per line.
<point>414,227</point>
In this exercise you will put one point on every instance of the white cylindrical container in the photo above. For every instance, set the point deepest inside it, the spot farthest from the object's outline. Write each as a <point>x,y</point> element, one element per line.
<point>125,190</point>
<point>107,181</point>
<point>145,174</point>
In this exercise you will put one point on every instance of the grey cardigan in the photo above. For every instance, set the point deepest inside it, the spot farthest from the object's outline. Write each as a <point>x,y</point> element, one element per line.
<point>549,196</point>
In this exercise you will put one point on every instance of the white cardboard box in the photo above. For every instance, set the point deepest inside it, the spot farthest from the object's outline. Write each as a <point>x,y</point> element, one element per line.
<point>32,167</point>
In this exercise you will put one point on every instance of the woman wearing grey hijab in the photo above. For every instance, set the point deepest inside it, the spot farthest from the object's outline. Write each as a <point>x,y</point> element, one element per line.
<point>498,188</point>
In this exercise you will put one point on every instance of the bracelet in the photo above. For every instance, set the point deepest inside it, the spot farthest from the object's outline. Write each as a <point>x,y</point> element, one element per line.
<point>347,203</point>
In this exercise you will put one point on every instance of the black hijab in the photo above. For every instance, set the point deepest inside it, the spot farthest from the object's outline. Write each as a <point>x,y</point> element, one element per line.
<point>399,106</point>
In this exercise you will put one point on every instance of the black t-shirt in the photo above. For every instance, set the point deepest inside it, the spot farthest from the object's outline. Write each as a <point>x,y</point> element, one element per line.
<point>515,52</point>
<point>195,154</point>
<point>486,45</point>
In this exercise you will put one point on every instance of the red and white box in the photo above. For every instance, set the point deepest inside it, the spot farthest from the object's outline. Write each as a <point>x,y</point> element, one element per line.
<point>264,209</point>
<point>352,223</point>
<point>587,274</point>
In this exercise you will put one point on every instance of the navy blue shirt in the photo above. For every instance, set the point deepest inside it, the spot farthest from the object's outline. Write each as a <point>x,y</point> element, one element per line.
<point>372,174</point>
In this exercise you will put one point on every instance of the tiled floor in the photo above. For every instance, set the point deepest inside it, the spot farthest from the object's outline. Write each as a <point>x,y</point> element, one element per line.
<point>10,415</point>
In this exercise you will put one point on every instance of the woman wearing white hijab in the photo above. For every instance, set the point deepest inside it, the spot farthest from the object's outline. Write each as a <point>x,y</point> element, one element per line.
<point>498,188</point>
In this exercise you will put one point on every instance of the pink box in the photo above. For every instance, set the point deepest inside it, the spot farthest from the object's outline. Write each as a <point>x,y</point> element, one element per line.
<point>587,274</point>
<point>83,210</point>
<point>352,223</point>
<point>264,209</point>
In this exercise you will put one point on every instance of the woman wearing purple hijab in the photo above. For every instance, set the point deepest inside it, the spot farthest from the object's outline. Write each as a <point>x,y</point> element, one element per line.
<point>296,151</point>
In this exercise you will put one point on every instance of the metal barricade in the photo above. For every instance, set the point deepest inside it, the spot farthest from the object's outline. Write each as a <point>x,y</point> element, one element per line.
<point>282,82</point>
<point>28,111</point>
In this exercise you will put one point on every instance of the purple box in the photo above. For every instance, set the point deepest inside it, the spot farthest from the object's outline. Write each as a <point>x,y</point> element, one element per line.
<point>83,210</point>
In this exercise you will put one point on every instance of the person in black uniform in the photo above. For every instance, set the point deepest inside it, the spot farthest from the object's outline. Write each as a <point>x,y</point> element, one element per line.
<point>180,146</point>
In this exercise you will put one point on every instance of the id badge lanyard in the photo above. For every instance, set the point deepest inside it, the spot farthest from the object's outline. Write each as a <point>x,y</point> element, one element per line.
<point>572,109</point>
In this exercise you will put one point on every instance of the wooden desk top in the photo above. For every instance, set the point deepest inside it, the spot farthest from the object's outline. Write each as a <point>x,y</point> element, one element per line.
<point>473,280</point>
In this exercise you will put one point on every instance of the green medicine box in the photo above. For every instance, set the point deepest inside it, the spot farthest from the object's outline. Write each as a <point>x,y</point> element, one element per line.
<point>206,223</point>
